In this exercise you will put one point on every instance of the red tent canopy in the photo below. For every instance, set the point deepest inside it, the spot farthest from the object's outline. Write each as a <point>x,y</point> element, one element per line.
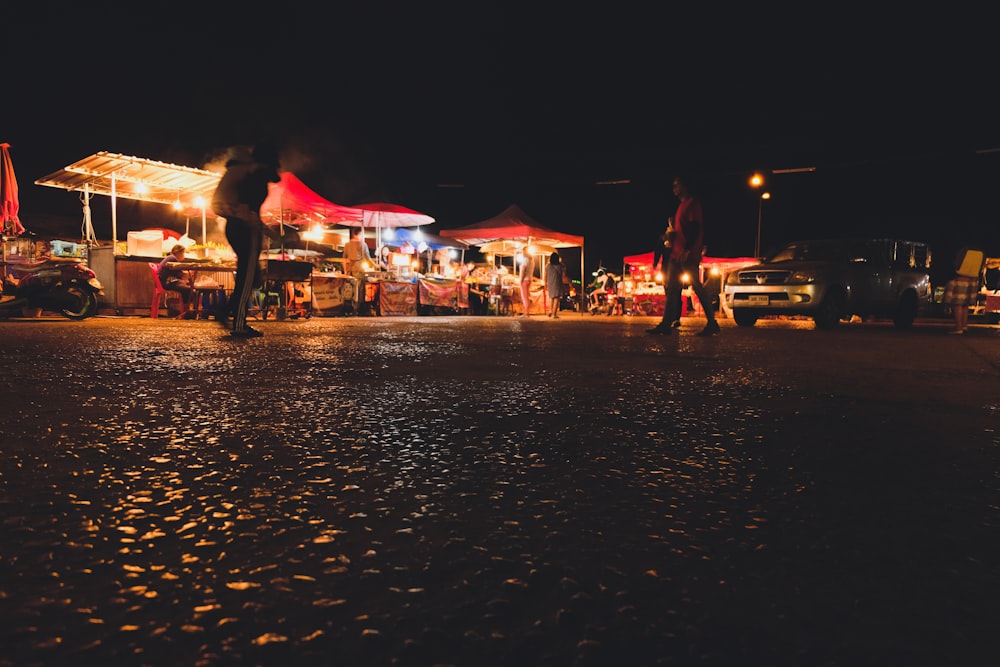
<point>292,202</point>
<point>512,224</point>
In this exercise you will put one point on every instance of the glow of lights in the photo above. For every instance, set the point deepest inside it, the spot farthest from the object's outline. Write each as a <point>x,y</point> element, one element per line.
<point>756,181</point>
<point>390,233</point>
<point>314,233</point>
<point>177,205</point>
<point>422,247</point>
<point>199,201</point>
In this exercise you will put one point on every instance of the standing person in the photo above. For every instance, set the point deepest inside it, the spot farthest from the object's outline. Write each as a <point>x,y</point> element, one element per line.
<point>527,271</point>
<point>661,252</point>
<point>238,198</point>
<point>357,258</point>
<point>685,256</point>
<point>554,273</point>
<point>176,280</point>
<point>962,290</point>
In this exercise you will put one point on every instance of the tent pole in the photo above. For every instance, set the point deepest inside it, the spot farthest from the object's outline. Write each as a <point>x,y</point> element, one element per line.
<point>583,284</point>
<point>114,214</point>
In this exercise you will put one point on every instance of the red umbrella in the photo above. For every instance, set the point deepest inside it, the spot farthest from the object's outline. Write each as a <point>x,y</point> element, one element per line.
<point>8,190</point>
<point>383,214</point>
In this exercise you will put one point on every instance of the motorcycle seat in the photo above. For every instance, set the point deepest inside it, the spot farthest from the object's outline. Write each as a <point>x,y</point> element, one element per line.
<point>31,267</point>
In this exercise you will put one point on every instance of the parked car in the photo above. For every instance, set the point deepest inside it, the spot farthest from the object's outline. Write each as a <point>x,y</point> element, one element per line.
<point>831,280</point>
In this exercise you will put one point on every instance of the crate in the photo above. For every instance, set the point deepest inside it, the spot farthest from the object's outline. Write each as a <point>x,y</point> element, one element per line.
<point>67,249</point>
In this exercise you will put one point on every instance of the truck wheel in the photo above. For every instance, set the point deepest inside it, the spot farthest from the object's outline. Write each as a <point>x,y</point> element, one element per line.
<point>830,311</point>
<point>744,319</point>
<point>906,311</point>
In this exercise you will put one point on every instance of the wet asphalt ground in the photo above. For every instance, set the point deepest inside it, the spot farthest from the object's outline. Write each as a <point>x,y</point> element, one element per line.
<point>498,491</point>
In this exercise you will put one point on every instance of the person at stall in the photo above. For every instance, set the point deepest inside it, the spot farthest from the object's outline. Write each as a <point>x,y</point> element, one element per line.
<point>357,260</point>
<point>554,274</point>
<point>176,280</point>
<point>527,270</point>
<point>383,258</point>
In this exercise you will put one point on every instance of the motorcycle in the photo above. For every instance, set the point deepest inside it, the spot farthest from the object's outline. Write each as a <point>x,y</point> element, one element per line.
<point>602,303</point>
<point>67,287</point>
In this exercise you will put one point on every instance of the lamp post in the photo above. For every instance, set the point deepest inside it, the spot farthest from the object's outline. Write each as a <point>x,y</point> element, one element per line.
<point>756,181</point>
<point>760,211</point>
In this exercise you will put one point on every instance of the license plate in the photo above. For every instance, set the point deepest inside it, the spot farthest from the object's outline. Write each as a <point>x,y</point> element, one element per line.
<point>758,300</point>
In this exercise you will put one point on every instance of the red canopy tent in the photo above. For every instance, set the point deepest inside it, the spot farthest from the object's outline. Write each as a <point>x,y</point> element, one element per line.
<point>513,224</point>
<point>292,202</point>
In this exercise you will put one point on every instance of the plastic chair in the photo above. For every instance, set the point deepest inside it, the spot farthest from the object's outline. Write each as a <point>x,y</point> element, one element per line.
<point>158,291</point>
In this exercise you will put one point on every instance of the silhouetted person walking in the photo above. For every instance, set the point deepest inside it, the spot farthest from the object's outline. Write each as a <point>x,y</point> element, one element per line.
<point>685,256</point>
<point>238,199</point>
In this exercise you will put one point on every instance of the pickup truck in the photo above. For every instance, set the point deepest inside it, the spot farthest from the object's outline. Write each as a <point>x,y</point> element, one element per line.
<point>831,280</point>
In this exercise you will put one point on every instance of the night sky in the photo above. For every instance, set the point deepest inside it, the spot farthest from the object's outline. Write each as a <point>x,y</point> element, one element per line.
<point>534,104</point>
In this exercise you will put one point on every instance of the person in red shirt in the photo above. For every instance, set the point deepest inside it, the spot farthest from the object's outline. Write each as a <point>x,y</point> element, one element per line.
<point>685,257</point>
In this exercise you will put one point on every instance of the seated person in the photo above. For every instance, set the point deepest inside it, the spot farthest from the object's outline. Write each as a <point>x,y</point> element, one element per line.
<point>176,280</point>
<point>601,286</point>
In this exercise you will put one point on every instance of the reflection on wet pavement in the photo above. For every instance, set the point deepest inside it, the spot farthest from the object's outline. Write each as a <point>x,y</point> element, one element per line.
<point>450,491</point>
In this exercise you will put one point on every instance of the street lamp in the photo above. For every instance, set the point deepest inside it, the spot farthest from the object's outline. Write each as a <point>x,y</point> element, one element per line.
<point>756,181</point>
<point>760,211</point>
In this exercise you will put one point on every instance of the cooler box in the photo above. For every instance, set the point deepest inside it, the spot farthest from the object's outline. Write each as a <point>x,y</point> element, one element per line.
<point>146,244</point>
<point>972,263</point>
<point>67,249</point>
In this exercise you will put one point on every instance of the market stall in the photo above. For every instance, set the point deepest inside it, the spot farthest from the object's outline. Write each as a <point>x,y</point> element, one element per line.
<point>514,231</point>
<point>646,286</point>
<point>396,298</point>
<point>185,189</point>
<point>331,293</point>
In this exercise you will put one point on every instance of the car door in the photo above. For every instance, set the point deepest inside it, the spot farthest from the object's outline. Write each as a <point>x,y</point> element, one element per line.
<point>873,278</point>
